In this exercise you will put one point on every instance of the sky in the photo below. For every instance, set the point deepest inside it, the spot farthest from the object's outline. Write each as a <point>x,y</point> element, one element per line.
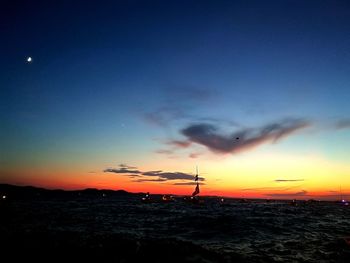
<point>135,94</point>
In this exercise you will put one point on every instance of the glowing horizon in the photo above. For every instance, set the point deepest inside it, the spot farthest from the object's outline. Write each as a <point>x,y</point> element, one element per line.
<point>273,181</point>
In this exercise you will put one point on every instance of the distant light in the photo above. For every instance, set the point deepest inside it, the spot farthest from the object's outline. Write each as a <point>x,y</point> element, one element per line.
<point>103,195</point>
<point>29,59</point>
<point>4,197</point>
<point>222,199</point>
<point>343,201</point>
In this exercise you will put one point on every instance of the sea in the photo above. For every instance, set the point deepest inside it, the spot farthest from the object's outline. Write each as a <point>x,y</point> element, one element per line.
<point>104,228</point>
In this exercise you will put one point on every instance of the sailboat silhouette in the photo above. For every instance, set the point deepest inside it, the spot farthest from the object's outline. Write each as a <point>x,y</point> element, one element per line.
<point>196,190</point>
<point>194,197</point>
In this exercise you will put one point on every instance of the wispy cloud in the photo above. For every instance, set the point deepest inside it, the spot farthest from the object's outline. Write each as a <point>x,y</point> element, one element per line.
<point>342,124</point>
<point>123,169</point>
<point>150,180</point>
<point>246,139</point>
<point>159,174</point>
<point>174,145</point>
<point>163,116</point>
<point>132,175</point>
<point>177,104</point>
<point>194,155</point>
<point>178,143</point>
<point>122,165</point>
<point>172,175</point>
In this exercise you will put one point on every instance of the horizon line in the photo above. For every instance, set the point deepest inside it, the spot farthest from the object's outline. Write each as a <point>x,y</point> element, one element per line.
<point>220,196</point>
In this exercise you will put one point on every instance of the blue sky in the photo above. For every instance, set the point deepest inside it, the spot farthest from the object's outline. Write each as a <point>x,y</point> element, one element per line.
<point>129,75</point>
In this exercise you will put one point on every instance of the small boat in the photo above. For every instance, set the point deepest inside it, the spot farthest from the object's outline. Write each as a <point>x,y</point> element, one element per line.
<point>344,202</point>
<point>195,198</point>
<point>3,199</point>
<point>167,199</point>
<point>146,198</point>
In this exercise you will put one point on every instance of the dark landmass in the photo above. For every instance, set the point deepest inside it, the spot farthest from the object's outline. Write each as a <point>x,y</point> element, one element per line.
<point>115,226</point>
<point>17,192</point>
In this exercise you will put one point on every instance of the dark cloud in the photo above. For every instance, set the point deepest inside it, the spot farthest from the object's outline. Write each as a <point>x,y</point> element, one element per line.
<point>301,193</point>
<point>161,176</point>
<point>188,183</point>
<point>152,173</point>
<point>288,180</point>
<point>121,171</point>
<point>127,166</point>
<point>218,121</point>
<point>172,175</point>
<point>150,180</point>
<point>208,135</point>
<point>342,124</point>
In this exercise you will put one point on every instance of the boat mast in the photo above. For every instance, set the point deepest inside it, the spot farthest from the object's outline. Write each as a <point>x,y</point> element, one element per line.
<point>196,190</point>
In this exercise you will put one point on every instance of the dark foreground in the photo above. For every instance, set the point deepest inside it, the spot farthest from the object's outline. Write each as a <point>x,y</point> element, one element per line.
<point>119,228</point>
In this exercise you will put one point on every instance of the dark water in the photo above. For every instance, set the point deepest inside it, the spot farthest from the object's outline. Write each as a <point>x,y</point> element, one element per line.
<point>210,232</point>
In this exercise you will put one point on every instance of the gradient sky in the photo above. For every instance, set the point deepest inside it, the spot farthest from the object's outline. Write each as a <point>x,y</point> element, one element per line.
<point>134,94</point>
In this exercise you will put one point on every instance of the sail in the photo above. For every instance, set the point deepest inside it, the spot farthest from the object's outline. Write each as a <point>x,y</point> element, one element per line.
<point>196,191</point>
